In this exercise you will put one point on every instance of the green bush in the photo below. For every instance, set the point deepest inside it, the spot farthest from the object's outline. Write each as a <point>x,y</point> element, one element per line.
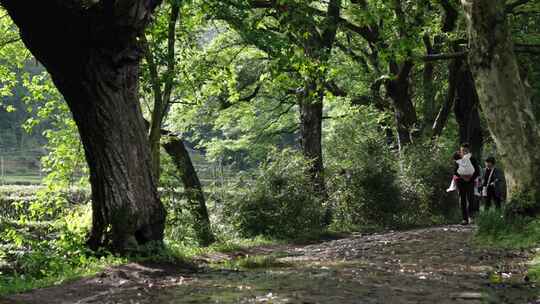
<point>39,252</point>
<point>374,185</point>
<point>425,174</point>
<point>523,203</point>
<point>40,202</point>
<point>278,201</point>
<point>363,182</point>
<point>367,192</point>
<point>179,226</point>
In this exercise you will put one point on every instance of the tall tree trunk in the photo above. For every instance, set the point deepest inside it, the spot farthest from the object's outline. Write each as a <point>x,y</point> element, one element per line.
<point>311,114</point>
<point>318,47</point>
<point>404,110</point>
<point>192,186</point>
<point>502,93</point>
<point>428,85</point>
<point>161,97</point>
<point>174,146</point>
<point>466,111</point>
<point>446,108</point>
<point>92,55</point>
<point>124,194</point>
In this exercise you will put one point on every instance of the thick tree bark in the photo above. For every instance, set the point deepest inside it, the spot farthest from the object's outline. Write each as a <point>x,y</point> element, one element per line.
<point>92,55</point>
<point>317,47</point>
<point>404,110</point>
<point>502,93</point>
<point>193,189</point>
<point>311,116</point>
<point>466,111</point>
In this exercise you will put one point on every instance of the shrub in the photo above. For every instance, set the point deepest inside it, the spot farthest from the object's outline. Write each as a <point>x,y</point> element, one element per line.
<point>38,249</point>
<point>523,203</point>
<point>40,203</point>
<point>373,185</point>
<point>425,174</point>
<point>364,187</point>
<point>179,226</point>
<point>366,193</point>
<point>278,201</point>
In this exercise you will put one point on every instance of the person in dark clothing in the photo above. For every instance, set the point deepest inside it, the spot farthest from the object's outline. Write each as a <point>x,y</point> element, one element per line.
<point>465,185</point>
<point>491,186</point>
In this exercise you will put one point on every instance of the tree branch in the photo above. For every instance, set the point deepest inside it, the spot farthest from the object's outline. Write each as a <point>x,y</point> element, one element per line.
<point>405,70</point>
<point>358,58</point>
<point>9,41</point>
<point>450,16</point>
<point>444,112</point>
<point>170,71</point>
<point>512,6</point>
<point>527,51</point>
<point>251,96</point>
<point>331,23</point>
<point>333,88</point>
<point>152,71</point>
<point>435,57</point>
<point>527,45</point>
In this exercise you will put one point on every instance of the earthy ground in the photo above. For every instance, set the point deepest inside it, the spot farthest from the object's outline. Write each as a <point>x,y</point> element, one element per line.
<point>435,265</point>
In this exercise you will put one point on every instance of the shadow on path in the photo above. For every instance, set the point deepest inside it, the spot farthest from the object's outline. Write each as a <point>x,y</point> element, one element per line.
<point>432,265</point>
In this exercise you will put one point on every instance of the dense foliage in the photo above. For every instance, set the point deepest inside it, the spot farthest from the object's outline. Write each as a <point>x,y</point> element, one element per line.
<point>279,201</point>
<point>232,80</point>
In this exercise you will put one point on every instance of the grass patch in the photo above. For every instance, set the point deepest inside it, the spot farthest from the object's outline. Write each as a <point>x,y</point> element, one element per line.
<point>500,231</point>
<point>497,230</point>
<point>255,262</point>
<point>14,282</point>
<point>261,261</point>
<point>225,246</point>
<point>17,283</point>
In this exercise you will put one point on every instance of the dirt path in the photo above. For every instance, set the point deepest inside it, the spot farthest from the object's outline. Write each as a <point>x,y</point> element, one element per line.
<point>435,265</point>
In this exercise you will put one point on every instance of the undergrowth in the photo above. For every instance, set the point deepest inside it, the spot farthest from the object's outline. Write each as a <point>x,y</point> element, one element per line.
<point>497,229</point>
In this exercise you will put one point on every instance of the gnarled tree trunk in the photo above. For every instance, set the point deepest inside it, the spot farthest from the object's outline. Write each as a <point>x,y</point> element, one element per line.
<point>502,93</point>
<point>92,54</point>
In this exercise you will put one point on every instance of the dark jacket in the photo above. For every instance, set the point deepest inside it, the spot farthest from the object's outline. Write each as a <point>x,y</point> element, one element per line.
<point>476,173</point>
<point>496,179</point>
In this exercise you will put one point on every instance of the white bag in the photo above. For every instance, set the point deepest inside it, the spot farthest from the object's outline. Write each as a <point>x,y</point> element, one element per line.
<point>465,166</point>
